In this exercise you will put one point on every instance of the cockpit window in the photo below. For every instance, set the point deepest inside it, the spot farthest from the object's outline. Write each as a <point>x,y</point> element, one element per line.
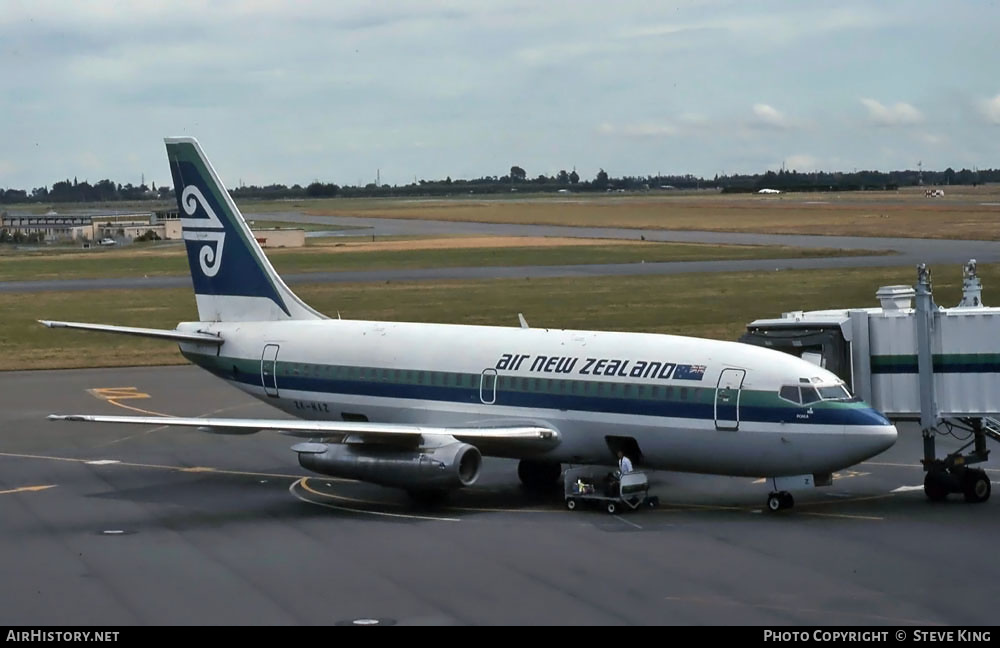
<point>834,392</point>
<point>805,394</point>
<point>790,393</point>
<point>809,395</point>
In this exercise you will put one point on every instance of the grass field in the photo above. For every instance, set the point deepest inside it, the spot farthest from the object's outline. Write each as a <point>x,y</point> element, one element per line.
<point>713,305</point>
<point>337,255</point>
<point>965,212</point>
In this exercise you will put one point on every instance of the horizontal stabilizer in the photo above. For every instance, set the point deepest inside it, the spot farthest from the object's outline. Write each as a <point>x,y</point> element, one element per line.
<point>163,334</point>
<point>524,436</point>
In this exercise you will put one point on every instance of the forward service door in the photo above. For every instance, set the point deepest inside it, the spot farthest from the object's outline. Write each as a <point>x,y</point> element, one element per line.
<point>727,399</point>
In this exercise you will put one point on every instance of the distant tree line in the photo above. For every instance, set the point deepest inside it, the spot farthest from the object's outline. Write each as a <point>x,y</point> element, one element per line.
<point>102,191</point>
<point>517,180</point>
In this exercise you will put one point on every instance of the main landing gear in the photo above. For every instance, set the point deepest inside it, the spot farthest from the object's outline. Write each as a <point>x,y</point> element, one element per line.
<point>539,475</point>
<point>779,500</point>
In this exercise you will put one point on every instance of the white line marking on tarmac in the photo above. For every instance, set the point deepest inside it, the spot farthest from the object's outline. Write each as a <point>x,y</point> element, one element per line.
<point>102,462</point>
<point>291,489</point>
<point>906,489</point>
<point>628,522</point>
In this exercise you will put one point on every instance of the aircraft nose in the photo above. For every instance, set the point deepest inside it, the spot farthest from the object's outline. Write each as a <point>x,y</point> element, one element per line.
<point>869,441</point>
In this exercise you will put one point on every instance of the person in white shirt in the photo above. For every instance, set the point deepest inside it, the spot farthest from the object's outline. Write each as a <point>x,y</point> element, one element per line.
<point>624,464</point>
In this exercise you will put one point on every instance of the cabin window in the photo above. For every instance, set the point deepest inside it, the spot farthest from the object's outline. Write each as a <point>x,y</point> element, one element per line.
<point>684,393</point>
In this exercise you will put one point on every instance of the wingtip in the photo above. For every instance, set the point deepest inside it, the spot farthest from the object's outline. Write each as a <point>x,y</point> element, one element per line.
<point>66,417</point>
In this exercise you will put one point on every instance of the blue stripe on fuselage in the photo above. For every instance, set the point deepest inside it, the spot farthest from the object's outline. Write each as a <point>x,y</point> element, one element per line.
<point>829,414</point>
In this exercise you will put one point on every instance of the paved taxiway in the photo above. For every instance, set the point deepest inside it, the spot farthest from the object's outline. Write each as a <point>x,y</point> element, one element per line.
<point>140,525</point>
<point>908,251</point>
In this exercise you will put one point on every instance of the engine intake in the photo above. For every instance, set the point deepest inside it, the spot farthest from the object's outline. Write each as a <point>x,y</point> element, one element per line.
<point>443,467</point>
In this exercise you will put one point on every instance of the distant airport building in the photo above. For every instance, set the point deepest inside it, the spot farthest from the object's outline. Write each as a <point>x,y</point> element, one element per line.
<point>124,228</point>
<point>280,237</point>
<point>80,227</point>
<point>52,226</point>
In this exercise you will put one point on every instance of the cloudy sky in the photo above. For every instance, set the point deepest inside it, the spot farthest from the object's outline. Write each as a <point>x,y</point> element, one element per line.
<point>293,92</point>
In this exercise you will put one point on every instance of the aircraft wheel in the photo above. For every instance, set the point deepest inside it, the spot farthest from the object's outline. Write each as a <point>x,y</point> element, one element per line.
<point>612,508</point>
<point>787,501</point>
<point>774,502</point>
<point>571,503</point>
<point>653,502</point>
<point>976,486</point>
<point>538,475</point>
<point>934,487</point>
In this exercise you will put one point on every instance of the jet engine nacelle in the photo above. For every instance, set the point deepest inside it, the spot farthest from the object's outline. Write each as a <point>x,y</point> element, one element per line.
<point>437,468</point>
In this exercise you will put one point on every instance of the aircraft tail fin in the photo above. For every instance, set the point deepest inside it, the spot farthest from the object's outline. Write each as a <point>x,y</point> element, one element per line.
<point>233,279</point>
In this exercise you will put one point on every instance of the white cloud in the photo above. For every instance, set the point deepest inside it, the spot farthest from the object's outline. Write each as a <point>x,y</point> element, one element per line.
<point>769,117</point>
<point>899,114</point>
<point>931,138</point>
<point>990,109</point>
<point>639,130</point>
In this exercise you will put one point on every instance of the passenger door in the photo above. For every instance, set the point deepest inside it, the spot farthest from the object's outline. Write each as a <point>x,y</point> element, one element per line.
<point>727,399</point>
<point>488,386</point>
<point>269,370</point>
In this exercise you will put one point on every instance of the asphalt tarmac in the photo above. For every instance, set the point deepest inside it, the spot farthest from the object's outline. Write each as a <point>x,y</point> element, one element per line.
<point>114,525</point>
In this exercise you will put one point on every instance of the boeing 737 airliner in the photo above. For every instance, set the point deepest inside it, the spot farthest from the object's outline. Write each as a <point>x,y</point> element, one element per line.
<point>416,406</point>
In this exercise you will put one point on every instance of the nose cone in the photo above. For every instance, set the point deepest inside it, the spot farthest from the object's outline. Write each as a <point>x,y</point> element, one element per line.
<point>865,441</point>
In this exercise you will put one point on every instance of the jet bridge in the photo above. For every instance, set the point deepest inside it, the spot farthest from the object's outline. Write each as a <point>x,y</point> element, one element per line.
<point>940,366</point>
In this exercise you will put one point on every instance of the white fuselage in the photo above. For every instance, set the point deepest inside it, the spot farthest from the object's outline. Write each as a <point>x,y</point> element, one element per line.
<point>668,393</point>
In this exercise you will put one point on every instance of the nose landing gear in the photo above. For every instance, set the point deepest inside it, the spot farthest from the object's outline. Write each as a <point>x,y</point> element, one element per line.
<point>779,500</point>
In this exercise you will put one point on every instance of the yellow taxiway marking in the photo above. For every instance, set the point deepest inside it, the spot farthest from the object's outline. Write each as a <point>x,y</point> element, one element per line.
<point>27,489</point>
<point>305,486</point>
<point>216,471</point>
<point>114,394</point>
<point>117,393</point>
<point>847,474</point>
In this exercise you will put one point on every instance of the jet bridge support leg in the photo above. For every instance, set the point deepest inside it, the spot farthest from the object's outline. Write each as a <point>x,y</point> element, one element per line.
<point>951,474</point>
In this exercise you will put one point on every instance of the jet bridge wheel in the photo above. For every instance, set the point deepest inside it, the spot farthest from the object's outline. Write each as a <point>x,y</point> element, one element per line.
<point>976,486</point>
<point>935,486</point>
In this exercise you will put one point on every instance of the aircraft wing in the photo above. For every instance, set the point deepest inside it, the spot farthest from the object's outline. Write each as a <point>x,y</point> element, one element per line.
<point>524,436</point>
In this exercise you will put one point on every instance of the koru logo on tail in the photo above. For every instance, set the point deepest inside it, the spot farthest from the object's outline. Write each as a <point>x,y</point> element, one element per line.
<point>207,229</point>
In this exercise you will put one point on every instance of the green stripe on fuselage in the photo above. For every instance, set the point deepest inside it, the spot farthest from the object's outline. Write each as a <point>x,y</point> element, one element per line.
<point>248,371</point>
